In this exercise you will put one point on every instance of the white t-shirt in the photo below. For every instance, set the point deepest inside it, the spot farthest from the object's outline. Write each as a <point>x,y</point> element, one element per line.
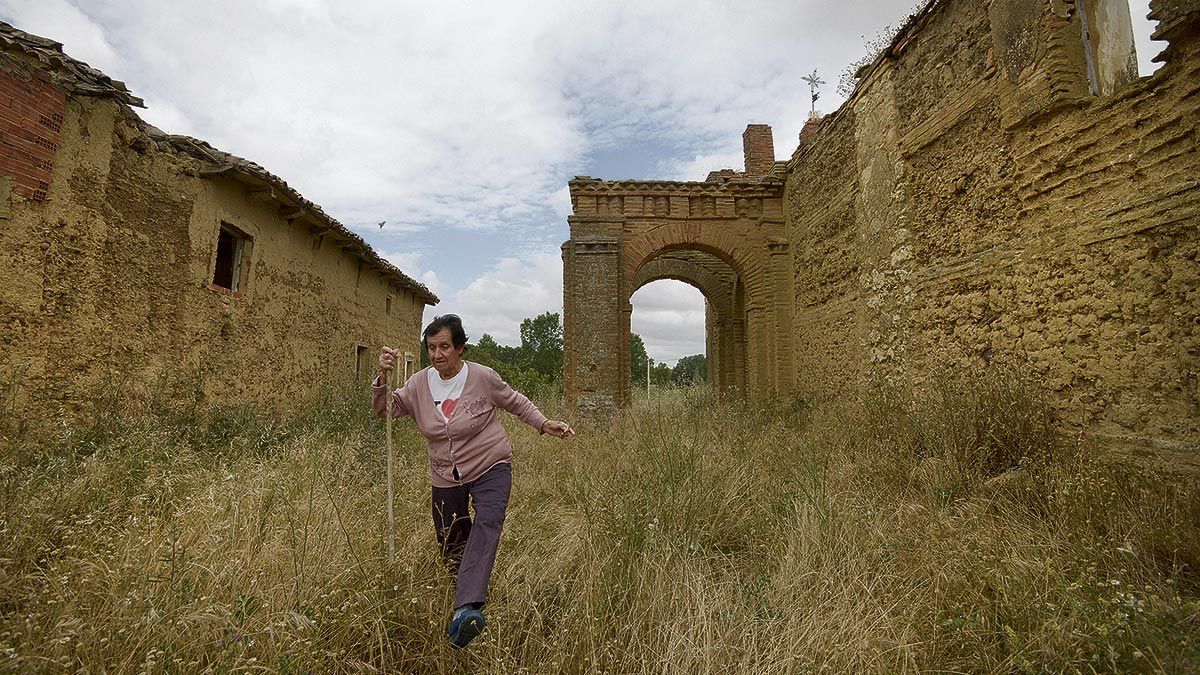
<point>446,392</point>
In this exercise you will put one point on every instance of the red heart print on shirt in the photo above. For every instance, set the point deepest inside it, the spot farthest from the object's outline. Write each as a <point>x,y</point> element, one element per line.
<point>448,407</point>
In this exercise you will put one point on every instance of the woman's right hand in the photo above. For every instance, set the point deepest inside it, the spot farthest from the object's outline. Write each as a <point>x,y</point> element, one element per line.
<point>387,360</point>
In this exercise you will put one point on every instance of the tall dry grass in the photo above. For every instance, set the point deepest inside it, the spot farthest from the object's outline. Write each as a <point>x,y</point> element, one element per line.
<point>946,530</point>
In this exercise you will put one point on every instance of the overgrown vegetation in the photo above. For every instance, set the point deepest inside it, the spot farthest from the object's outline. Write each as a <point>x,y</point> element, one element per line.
<point>874,46</point>
<point>942,530</point>
<point>535,366</point>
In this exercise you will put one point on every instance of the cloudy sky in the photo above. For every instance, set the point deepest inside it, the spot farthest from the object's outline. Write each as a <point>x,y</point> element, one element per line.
<point>460,122</point>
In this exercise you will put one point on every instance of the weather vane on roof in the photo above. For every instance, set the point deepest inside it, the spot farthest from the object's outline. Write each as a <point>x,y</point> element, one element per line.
<point>813,82</point>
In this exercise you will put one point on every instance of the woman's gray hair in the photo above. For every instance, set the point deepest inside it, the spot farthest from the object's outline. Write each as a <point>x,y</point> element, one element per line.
<point>457,335</point>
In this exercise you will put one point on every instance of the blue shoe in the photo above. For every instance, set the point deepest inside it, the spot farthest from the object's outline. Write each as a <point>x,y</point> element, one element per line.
<point>466,625</point>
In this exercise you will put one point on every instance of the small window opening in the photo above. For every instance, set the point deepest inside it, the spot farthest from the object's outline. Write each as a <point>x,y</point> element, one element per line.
<point>362,361</point>
<point>410,364</point>
<point>387,309</point>
<point>233,248</point>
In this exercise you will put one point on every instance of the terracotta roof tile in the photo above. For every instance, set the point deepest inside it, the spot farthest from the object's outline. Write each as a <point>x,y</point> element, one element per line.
<point>72,75</point>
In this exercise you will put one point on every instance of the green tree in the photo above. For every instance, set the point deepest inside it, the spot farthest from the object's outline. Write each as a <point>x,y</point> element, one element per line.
<point>660,375</point>
<point>491,354</point>
<point>690,370</point>
<point>542,345</point>
<point>511,364</point>
<point>637,358</point>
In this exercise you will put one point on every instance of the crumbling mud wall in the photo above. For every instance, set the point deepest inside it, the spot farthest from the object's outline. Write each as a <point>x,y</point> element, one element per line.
<point>109,274</point>
<point>992,194</point>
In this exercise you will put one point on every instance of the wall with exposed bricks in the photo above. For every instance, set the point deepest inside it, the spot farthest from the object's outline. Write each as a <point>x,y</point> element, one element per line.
<point>31,118</point>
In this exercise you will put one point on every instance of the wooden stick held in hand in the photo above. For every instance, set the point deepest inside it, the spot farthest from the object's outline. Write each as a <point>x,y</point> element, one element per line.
<point>391,513</point>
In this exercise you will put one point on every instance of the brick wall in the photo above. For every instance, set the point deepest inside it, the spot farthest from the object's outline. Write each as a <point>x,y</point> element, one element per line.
<point>31,118</point>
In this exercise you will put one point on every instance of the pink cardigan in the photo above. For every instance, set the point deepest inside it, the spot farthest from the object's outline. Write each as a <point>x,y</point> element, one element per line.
<point>473,440</point>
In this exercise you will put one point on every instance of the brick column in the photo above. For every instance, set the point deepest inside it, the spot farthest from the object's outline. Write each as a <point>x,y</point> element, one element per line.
<point>594,324</point>
<point>757,334</point>
<point>711,338</point>
<point>758,147</point>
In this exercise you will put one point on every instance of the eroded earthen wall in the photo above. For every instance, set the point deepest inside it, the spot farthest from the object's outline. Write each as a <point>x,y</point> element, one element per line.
<point>975,203</point>
<point>108,283</point>
<point>821,197</point>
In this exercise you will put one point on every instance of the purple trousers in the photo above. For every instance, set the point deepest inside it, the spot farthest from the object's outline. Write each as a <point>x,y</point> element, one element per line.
<point>469,544</point>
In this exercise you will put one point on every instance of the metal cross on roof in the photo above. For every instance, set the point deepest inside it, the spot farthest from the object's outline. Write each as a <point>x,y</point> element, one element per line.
<point>813,82</point>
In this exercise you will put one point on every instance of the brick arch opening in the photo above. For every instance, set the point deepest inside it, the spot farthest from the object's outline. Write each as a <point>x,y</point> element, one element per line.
<point>724,300</point>
<point>725,235</point>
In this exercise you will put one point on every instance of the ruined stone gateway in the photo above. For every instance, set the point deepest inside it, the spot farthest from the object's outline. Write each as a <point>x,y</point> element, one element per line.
<point>1001,188</point>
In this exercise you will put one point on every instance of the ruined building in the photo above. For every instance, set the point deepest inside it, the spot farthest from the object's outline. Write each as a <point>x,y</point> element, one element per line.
<point>130,255</point>
<point>1001,188</point>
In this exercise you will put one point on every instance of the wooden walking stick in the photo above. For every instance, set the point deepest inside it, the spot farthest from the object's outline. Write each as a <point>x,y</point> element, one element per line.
<point>391,512</point>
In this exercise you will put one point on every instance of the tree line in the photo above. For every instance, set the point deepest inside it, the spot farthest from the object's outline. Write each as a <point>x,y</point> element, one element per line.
<point>535,366</point>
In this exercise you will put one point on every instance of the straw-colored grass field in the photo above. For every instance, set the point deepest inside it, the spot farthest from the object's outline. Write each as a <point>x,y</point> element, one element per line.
<point>684,535</point>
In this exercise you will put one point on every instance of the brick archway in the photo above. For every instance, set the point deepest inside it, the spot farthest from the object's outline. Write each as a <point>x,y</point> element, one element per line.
<point>724,295</point>
<point>623,233</point>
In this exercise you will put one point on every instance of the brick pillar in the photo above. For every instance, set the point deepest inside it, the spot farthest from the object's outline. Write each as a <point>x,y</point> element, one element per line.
<point>809,132</point>
<point>594,327</point>
<point>710,350</point>
<point>759,149</point>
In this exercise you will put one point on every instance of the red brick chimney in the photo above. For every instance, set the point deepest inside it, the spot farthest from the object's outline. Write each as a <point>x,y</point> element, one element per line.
<point>759,149</point>
<point>809,132</point>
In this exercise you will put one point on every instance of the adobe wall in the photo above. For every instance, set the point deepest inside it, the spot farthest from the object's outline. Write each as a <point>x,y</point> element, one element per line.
<point>979,201</point>
<point>107,281</point>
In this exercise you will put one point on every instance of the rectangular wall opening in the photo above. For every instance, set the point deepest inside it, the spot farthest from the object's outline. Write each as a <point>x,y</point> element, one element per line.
<point>362,362</point>
<point>233,254</point>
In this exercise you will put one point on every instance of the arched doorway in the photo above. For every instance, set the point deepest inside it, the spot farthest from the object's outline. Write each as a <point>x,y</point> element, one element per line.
<point>724,330</point>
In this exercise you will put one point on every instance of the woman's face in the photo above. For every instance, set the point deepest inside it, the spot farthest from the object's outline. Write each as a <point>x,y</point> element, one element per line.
<point>445,357</point>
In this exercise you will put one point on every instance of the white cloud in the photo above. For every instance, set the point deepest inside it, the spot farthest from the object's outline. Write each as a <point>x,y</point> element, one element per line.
<point>669,317</point>
<point>560,201</point>
<point>409,262</point>
<point>699,166</point>
<point>508,293</point>
<point>164,115</point>
<point>59,20</point>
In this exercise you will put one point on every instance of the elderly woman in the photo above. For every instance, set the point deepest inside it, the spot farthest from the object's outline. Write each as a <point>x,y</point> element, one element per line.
<point>454,404</point>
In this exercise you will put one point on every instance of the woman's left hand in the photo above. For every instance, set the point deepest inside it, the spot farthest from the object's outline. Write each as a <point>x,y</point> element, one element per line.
<point>556,428</point>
